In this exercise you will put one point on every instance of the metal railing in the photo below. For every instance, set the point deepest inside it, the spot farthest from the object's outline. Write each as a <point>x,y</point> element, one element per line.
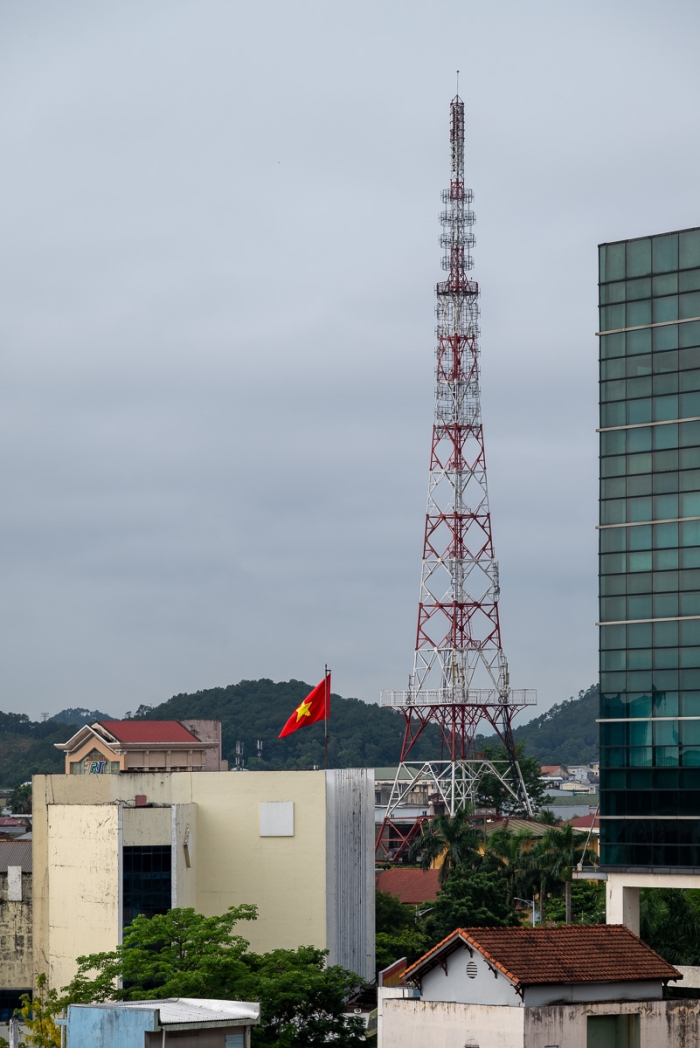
<point>459,697</point>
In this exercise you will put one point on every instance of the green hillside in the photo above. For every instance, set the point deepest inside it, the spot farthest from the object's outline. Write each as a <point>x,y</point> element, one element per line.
<point>566,734</point>
<point>26,747</point>
<point>362,734</point>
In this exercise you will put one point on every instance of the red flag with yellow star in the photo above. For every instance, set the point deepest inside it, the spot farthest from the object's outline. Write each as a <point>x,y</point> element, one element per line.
<point>315,707</point>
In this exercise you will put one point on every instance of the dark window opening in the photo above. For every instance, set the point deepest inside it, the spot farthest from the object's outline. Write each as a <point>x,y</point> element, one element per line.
<point>146,881</point>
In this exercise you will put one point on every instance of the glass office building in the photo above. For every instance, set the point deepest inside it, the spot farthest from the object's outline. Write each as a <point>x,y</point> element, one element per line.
<point>650,552</point>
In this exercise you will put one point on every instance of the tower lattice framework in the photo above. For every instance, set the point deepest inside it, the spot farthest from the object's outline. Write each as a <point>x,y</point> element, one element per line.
<point>460,672</point>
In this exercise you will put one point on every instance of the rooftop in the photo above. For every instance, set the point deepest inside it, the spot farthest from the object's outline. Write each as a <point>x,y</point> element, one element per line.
<point>16,853</point>
<point>570,954</point>
<point>190,1011</point>
<point>410,886</point>
<point>148,731</point>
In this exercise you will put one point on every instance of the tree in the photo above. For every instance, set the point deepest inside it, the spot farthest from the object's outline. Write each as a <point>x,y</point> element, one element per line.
<point>21,799</point>
<point>555,855</point>
<point>302,1001</point>
<point>587,903</point>
<point>507,854</point>
<point>390,914</point>
<point>176,954</point>
<point>470,900</point>
<point>38,1015</point>
<point>493,794</point>
<point>451,838</point>
<point>184,954</point>
<point>398,931</point>
<point>670,923</point>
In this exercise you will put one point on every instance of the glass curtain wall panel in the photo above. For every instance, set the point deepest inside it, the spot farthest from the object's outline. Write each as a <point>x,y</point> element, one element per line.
<point>650,551</point>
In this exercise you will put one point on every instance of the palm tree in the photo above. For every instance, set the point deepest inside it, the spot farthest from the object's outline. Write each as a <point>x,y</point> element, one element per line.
<point>449,837</point>
<point>555,855</point>
<point>506,853</point>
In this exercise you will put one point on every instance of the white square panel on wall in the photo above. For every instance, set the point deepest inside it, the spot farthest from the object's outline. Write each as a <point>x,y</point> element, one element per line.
<point>276,818</point>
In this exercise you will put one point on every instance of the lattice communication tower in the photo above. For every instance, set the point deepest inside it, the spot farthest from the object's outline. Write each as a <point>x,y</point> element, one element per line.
<point>460,672</point>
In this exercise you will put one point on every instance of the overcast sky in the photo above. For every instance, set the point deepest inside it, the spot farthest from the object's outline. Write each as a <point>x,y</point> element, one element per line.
<point>218,251</point>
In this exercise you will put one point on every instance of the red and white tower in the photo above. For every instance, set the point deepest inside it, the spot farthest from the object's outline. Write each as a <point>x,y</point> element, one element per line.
<point>460,672</point>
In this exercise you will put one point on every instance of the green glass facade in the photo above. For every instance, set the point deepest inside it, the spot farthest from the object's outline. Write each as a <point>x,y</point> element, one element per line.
<point>650,552</point>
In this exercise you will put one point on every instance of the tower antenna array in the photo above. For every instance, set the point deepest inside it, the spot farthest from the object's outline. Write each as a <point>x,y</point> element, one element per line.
<point>460,672</point>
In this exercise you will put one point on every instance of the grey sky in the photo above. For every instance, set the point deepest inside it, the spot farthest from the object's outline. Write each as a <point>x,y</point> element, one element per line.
<point>219,250</point>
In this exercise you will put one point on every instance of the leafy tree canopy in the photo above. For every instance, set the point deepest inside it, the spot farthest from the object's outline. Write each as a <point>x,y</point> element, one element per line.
<point>470,900</point>
<point>391,914</point>
<point>670,923</point>
<point>184,954</point>
<point>21,800</point>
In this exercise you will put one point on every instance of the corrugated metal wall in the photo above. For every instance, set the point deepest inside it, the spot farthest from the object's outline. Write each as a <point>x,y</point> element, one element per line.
<point>350,869</point>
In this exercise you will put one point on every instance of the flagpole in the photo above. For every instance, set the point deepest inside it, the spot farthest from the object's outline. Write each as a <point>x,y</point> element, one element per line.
<point>325,701</point>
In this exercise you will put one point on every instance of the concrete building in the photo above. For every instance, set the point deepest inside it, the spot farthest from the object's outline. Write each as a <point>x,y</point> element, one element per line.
<point>592,986</point>
<point>177,1021</point>
<point>649,563</point>
<point>299,845</point>
<point>16,976</point>
<point>110,747</point>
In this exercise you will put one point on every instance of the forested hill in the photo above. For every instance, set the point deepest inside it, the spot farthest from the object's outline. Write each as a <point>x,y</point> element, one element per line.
<point>566,734</point>
<point>362,734</point>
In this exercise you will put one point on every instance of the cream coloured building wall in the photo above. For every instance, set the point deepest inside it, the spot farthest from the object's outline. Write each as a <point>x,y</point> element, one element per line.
<point>83,853</point>
<point>287,877</point>
<point>410,1023</point>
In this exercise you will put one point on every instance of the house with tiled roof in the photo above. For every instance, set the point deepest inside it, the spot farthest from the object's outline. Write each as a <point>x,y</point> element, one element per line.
<point>412,886</point>
<point>108,747</point>
<point>529,987</point>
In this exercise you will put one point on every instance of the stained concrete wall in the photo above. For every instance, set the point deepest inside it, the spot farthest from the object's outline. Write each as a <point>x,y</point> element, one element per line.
<point>416,1023</point>
<point>143,826</point>
<point>16,971</point>
<point>286,877</point>
<point>80,911</point>
<point>183,831</point>
<point>662,1024</point>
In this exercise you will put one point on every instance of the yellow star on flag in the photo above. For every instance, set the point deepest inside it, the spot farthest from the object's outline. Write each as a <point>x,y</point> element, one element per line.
<point>315,707</point>
<point>304,710</point>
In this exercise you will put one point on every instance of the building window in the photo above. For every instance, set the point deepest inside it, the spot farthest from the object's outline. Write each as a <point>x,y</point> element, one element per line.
<point>10,1002</point>
<point>146,881</point>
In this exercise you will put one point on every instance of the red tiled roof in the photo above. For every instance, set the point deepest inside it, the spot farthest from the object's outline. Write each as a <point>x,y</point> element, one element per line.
<point>551,769</point>
<point>585,822</point>
<point>148,731</point>
<point>7,820</point>
<point>411,886</point>
<point>572,954</point>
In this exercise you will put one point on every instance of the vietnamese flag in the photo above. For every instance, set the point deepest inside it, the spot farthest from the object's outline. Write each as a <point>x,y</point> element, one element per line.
<point>315,707</point>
